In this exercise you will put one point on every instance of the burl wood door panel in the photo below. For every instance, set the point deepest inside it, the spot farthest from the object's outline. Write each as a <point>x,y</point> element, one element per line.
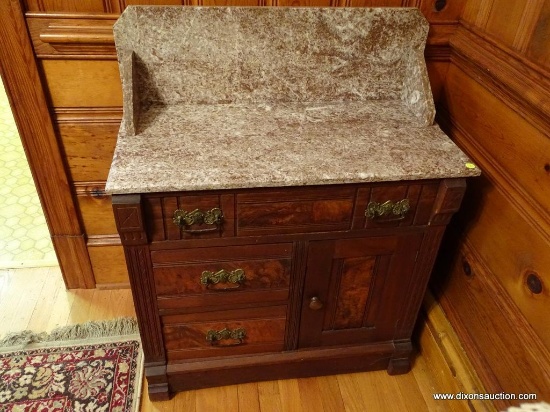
<point>354,289</point>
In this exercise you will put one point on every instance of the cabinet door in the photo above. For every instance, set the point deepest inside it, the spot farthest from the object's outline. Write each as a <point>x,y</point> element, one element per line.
<point>355,289</point>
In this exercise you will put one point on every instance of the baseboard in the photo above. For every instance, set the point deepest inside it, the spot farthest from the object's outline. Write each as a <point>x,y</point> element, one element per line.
<point>442,350</point>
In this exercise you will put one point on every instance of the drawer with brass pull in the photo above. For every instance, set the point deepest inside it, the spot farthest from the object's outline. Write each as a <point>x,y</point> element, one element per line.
<point>189,216</point>
<point>215,276</point>
<point>394,205</point>
<point>228,332</point>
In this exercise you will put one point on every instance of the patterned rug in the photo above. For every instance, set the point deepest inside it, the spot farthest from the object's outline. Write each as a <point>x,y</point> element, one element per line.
<point>93,372</point>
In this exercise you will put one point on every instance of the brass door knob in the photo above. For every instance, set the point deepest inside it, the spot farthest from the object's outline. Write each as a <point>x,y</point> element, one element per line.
<point>315,303</point>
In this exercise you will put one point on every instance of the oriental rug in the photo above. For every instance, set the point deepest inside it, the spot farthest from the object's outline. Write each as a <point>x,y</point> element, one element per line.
<point>94,367</point>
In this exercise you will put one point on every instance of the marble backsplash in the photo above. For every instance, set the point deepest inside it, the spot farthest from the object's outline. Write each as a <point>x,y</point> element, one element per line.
<point>219,55</point>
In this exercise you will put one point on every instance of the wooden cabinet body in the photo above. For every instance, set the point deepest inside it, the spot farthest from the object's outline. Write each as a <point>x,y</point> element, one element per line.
<point>307,283</point>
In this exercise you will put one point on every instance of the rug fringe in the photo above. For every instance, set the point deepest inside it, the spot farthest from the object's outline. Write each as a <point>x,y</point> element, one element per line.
<point>92,329</point>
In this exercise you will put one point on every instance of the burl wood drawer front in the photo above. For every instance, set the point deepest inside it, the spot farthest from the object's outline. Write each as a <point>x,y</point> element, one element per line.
<point>189,217</point>
<point>291,210</point>
<point>222,275</point>
<point>225,333</point>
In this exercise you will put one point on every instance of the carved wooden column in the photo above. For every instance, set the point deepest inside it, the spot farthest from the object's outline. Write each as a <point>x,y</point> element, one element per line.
<point>130,225</point>
<point>448,200</point>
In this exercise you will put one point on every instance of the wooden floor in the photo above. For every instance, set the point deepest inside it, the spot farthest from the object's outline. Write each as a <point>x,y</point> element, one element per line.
<point>36,299</point>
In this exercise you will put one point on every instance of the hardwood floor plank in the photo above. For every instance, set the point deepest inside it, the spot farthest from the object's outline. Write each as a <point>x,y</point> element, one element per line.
<point>289,392</point>
<point>270,396</point>
<point>331,394</point>
<point>310,395</point>
<point>46,304</point>
<point>249,400</point>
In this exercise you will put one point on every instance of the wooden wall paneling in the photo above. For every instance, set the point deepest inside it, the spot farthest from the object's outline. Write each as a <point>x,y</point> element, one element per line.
<point>24,88</point>
<point>503,21</point>
<point>508,75</point>
<point>97,83</point>
<point>80,6</point>
<point>538,47</point>
<point>477,12</point>
<point>511,248</point>
<point>516,159</point>
<point>95,208</point>
<point>108,261</point>
<point>505,351</point>
<point>88,138</point>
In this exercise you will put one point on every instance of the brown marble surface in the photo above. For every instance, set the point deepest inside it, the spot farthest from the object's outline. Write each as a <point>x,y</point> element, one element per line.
<point>218,98</point>
<point>198,147</point>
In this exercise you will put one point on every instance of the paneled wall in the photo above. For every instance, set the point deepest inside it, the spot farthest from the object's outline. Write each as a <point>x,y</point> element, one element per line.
<point>74,55</point>
<point>496,105</point>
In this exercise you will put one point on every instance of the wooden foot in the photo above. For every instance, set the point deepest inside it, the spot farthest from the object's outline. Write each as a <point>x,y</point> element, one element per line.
<point>399,366</point>
<point>158,392</point>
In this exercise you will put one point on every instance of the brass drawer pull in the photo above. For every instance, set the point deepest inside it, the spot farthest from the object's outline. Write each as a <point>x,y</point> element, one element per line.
<point>183,218</point>
<point>398,209</point>
<point>215,336</point>
<point>235,277</point>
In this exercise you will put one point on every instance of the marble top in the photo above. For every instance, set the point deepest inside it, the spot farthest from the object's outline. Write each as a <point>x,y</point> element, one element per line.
<point>241,97</point>
<point>200,147</point>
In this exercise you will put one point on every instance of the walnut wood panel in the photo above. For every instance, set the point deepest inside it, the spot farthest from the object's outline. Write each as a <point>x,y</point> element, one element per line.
<point>160,210</point>
<point>516,154</point>
<point>24,89</point>
<point>506,353</point>
<point>511,248</point>
<point>129,220</point>
<point>88,145</point>
<point>185,335</point>
<point>97,82</point>
<point>293,211</point>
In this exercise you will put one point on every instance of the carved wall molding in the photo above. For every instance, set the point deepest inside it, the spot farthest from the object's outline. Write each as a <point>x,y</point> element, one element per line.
<point>90,36</point>
<point>87,114</point>
<point>505,73</point>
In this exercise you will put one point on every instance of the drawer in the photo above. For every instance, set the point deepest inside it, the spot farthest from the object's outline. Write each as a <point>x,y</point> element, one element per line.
<point>395,205</point>
<point>293,210</point>
<point>216,276</point>
<point>225,333</point>
<point>200,216</point>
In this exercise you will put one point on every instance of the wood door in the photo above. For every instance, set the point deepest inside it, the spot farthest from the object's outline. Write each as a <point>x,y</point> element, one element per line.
<point>355,289</point>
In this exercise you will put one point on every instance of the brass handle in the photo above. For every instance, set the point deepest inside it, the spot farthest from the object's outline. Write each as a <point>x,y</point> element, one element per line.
<point>399,209</point>
<point>235,277</point>
<point>315,303</point>
<point>183,218</point>
<point>215,336</point>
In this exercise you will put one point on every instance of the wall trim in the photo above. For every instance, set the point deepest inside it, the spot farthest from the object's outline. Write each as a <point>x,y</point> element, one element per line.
<point>533,212</point>
<point>519,83</point>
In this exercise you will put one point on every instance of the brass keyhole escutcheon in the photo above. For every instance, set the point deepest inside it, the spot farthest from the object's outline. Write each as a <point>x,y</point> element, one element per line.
<point>315,303</point>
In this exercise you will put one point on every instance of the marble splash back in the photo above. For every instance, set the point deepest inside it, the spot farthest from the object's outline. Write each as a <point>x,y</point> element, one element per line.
<point>234,55</point>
